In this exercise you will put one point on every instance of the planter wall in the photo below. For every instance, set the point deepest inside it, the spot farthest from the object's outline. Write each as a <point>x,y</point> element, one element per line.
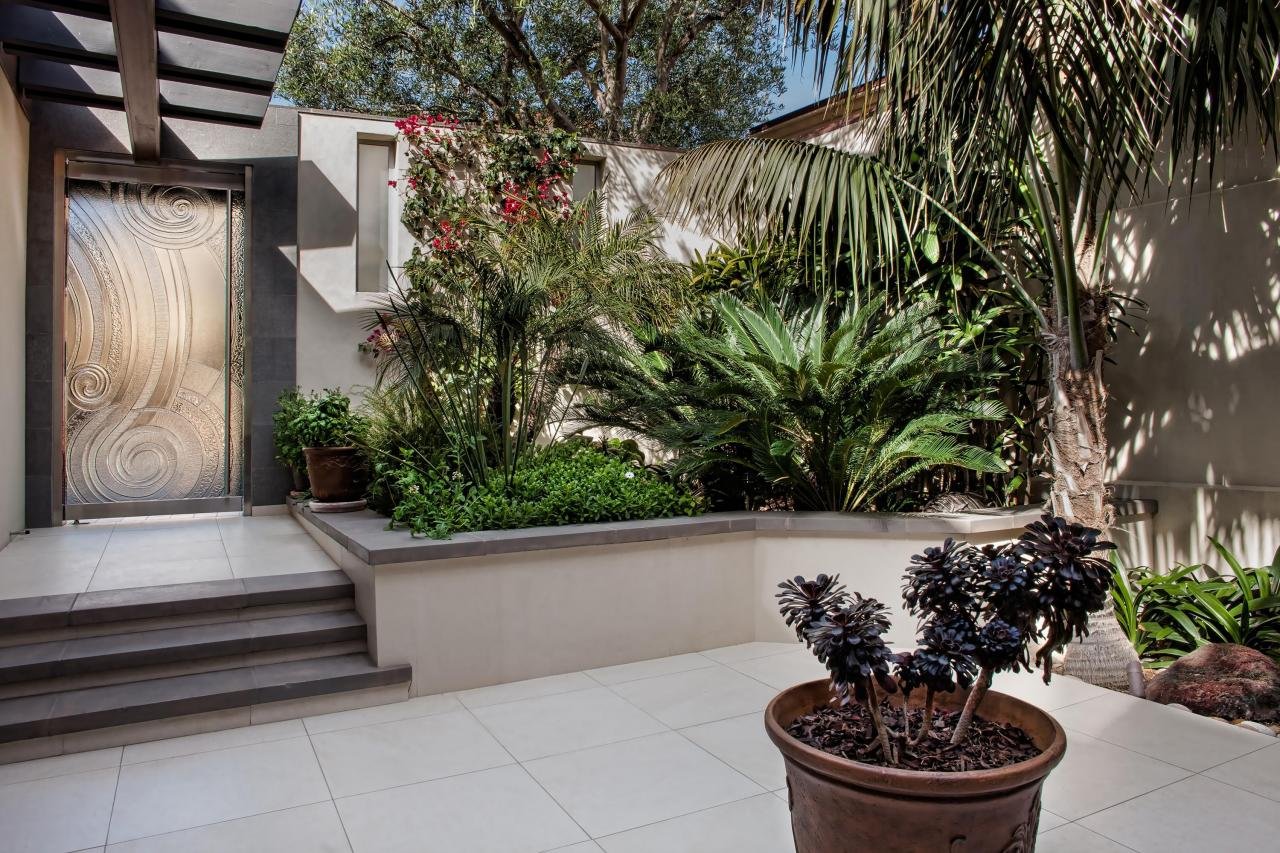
<point>551,600</point>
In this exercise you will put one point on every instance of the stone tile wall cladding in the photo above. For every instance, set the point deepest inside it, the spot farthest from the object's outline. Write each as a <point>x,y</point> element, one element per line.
<point>272,152</point>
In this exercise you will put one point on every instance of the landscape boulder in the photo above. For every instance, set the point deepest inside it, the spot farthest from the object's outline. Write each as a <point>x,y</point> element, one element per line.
<point>1222,680</point>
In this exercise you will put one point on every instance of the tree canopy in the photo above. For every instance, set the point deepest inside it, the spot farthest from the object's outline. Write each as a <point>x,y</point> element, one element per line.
<point>664,72</point>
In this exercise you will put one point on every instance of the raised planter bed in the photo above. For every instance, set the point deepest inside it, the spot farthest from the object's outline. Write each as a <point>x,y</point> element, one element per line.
<point>550,600</point>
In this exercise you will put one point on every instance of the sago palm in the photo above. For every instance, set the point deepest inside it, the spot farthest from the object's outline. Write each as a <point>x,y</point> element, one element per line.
<point>834,415</point>
<point>1028,122</point>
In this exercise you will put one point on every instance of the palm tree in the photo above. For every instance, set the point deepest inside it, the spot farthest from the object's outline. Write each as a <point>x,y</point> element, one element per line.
<point>833,414</point>
<point>1026,122</point>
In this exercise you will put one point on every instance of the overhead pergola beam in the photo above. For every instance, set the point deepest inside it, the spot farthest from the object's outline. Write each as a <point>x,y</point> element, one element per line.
<point>135,29</point>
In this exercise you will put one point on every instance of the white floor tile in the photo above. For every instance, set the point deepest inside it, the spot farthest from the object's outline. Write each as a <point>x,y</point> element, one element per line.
<point>250,544</point>
<point>580,847</point>
<point>193,790</point>
<point>283,563</point>
<point>59,765</point>
<point>749,651</point>
<point>210,741</point>
<point>1072,789</point>
<point>758,825</point>
<point>648,668</point>
<point>1167,734</point>
<point>49,575</point>
<point>494,811</point>
<point>1258,772</point>
<point>698,696</point>
<point>305,829</point>
<point>370,758</point>
<point>532,688</point>
<point>741,743</point>
<point>1060,692</point>
<point>783,671</point>
<point>1074,838</point>
<point>621,786</point>
<point>1196,814</point>
<point>550,725</point>
<point>56,815</point>
<point>126,574</point>
<point>1049,820</point>
<point>144,553</point>
<point>419,706</point>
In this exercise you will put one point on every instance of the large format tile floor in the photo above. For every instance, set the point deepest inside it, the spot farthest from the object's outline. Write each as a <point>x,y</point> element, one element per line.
<point>114,554</point>
<point>665,756</point>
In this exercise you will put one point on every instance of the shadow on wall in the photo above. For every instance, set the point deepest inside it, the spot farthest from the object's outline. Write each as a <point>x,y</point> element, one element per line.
<point>1194,409</point>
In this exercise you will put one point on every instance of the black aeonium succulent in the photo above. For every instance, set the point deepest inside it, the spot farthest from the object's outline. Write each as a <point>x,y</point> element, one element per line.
<point>1001,646</point>
<point>1071,582</point>
<point>1007,583</point>
<point>804,603</point>
<point>955,639</point>
<point>849,642</point>
<point>942,580</point>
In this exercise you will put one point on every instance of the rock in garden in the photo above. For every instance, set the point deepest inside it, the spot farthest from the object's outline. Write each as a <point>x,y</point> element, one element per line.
<point>1222,680</point>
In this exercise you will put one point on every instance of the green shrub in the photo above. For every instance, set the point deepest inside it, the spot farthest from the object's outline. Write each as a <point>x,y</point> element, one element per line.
<point>832,413</point>
<point>1168,615</point>
<point>320,419</point>
<point>567,483</point>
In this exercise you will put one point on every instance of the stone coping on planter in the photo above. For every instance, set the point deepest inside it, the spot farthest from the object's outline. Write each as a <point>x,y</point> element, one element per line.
<point>365,535</point>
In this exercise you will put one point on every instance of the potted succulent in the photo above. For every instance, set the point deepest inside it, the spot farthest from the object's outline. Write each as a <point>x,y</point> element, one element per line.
<point>326,430</point>
<point>913,751</point>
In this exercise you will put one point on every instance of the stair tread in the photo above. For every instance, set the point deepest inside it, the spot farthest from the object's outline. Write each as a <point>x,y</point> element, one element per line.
<point>119,704</point>
<point>114,605</point>
<point>167,645</point>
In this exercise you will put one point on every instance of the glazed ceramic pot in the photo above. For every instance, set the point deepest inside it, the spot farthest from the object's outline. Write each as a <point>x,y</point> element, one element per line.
<point>843,806</point>
<point>336,473</point>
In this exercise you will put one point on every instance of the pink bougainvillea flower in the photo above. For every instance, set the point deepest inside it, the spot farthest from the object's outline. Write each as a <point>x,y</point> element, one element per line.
<point>391,183</point>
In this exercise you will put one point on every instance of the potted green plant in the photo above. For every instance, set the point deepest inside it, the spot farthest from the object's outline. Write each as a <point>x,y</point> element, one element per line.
<point>289,447</point>
<point>325,428</point>
<point>913,751</point>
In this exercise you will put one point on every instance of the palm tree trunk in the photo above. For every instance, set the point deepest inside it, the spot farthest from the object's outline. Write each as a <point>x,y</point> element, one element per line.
<point>1078,444</point>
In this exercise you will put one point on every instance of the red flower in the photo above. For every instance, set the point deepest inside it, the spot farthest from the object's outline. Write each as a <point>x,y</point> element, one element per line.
<point>391,183</point>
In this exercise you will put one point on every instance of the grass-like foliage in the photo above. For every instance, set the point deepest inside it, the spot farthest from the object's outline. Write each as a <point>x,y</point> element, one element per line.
<point>570,482</point>
<point>833,411</point>
<point>1168,615</point>
<point>980,611</point>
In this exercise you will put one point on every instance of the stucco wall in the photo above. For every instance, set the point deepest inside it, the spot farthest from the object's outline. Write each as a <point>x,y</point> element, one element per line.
<point>14,130</point>
<point>332,315</point>
<point>1194,399</point>
<point>272,152</point>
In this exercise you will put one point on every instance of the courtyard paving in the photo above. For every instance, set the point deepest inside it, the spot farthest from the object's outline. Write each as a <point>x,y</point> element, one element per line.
<point>660,756</point>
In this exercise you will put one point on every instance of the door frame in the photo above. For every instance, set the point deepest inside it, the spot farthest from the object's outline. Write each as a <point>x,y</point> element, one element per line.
<point>90,165</point>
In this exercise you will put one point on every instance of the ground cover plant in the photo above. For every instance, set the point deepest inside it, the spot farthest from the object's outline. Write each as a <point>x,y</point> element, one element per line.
<point>1168,615</point>
<point>980,610</point>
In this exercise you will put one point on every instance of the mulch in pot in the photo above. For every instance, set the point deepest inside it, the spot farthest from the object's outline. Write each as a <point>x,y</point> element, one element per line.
<point>847,732</point>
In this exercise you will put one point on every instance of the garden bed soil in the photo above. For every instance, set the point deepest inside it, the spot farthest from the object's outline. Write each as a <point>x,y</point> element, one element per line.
<point>847,732</point>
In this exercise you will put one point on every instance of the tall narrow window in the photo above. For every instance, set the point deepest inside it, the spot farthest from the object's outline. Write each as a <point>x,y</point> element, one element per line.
<point>586,179</point>
<point>374,163</point>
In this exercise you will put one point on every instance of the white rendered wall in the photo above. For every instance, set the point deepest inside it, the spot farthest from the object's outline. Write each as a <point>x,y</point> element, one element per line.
<point>331,314</point>
<point>1195,408</point>
<point>14,131</point>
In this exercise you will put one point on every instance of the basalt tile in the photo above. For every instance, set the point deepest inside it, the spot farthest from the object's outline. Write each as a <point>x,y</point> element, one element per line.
<point>25,717</point>
<point>302,586</point>
<point>111,605</point>
<point>29,662</point>
<point>138,701</point>
<point>298,679</point>
<point>35,613</point>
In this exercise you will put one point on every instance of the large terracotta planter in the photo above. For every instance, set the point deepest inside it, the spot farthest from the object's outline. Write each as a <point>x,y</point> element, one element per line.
<point>336,473</point>
<point>842,806</point>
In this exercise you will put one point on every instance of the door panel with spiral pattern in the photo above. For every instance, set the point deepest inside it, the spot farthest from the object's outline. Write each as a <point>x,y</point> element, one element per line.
<point>154,342</point>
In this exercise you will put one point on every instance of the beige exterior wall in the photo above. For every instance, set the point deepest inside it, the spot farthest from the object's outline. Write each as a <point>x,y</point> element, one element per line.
<point>331,314</point>
<point>1195,410</point>
<point>14,134</point>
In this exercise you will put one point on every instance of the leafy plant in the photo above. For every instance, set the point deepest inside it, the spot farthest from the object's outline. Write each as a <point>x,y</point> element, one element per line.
<point>493,354</point>
<point>323,419</point>
<point>834,416</point>
<point>980,610</point>
<point>571,482</point>
<point>1168,615</point>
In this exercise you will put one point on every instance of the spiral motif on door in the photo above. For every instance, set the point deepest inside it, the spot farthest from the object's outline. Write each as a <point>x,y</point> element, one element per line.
<point>88,386</point>
<point>170,217</point>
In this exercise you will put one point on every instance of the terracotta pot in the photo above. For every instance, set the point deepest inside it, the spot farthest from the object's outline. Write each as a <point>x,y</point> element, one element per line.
<point>842,806</point>
<point>336,473</point>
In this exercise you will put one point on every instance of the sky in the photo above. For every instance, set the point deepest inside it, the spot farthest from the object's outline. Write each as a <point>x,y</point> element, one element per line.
<point>800,89</point>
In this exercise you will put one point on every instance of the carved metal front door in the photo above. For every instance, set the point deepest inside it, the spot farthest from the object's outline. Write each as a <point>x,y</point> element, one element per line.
<point>154,348</point>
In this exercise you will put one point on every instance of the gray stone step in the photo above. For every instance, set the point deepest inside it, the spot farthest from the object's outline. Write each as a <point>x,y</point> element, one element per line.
<point>52,612</point>
<point>70,711</point>
<point>80,656</point>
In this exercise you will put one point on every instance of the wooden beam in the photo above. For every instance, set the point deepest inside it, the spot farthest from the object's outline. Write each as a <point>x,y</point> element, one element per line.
<point>134,22</point>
